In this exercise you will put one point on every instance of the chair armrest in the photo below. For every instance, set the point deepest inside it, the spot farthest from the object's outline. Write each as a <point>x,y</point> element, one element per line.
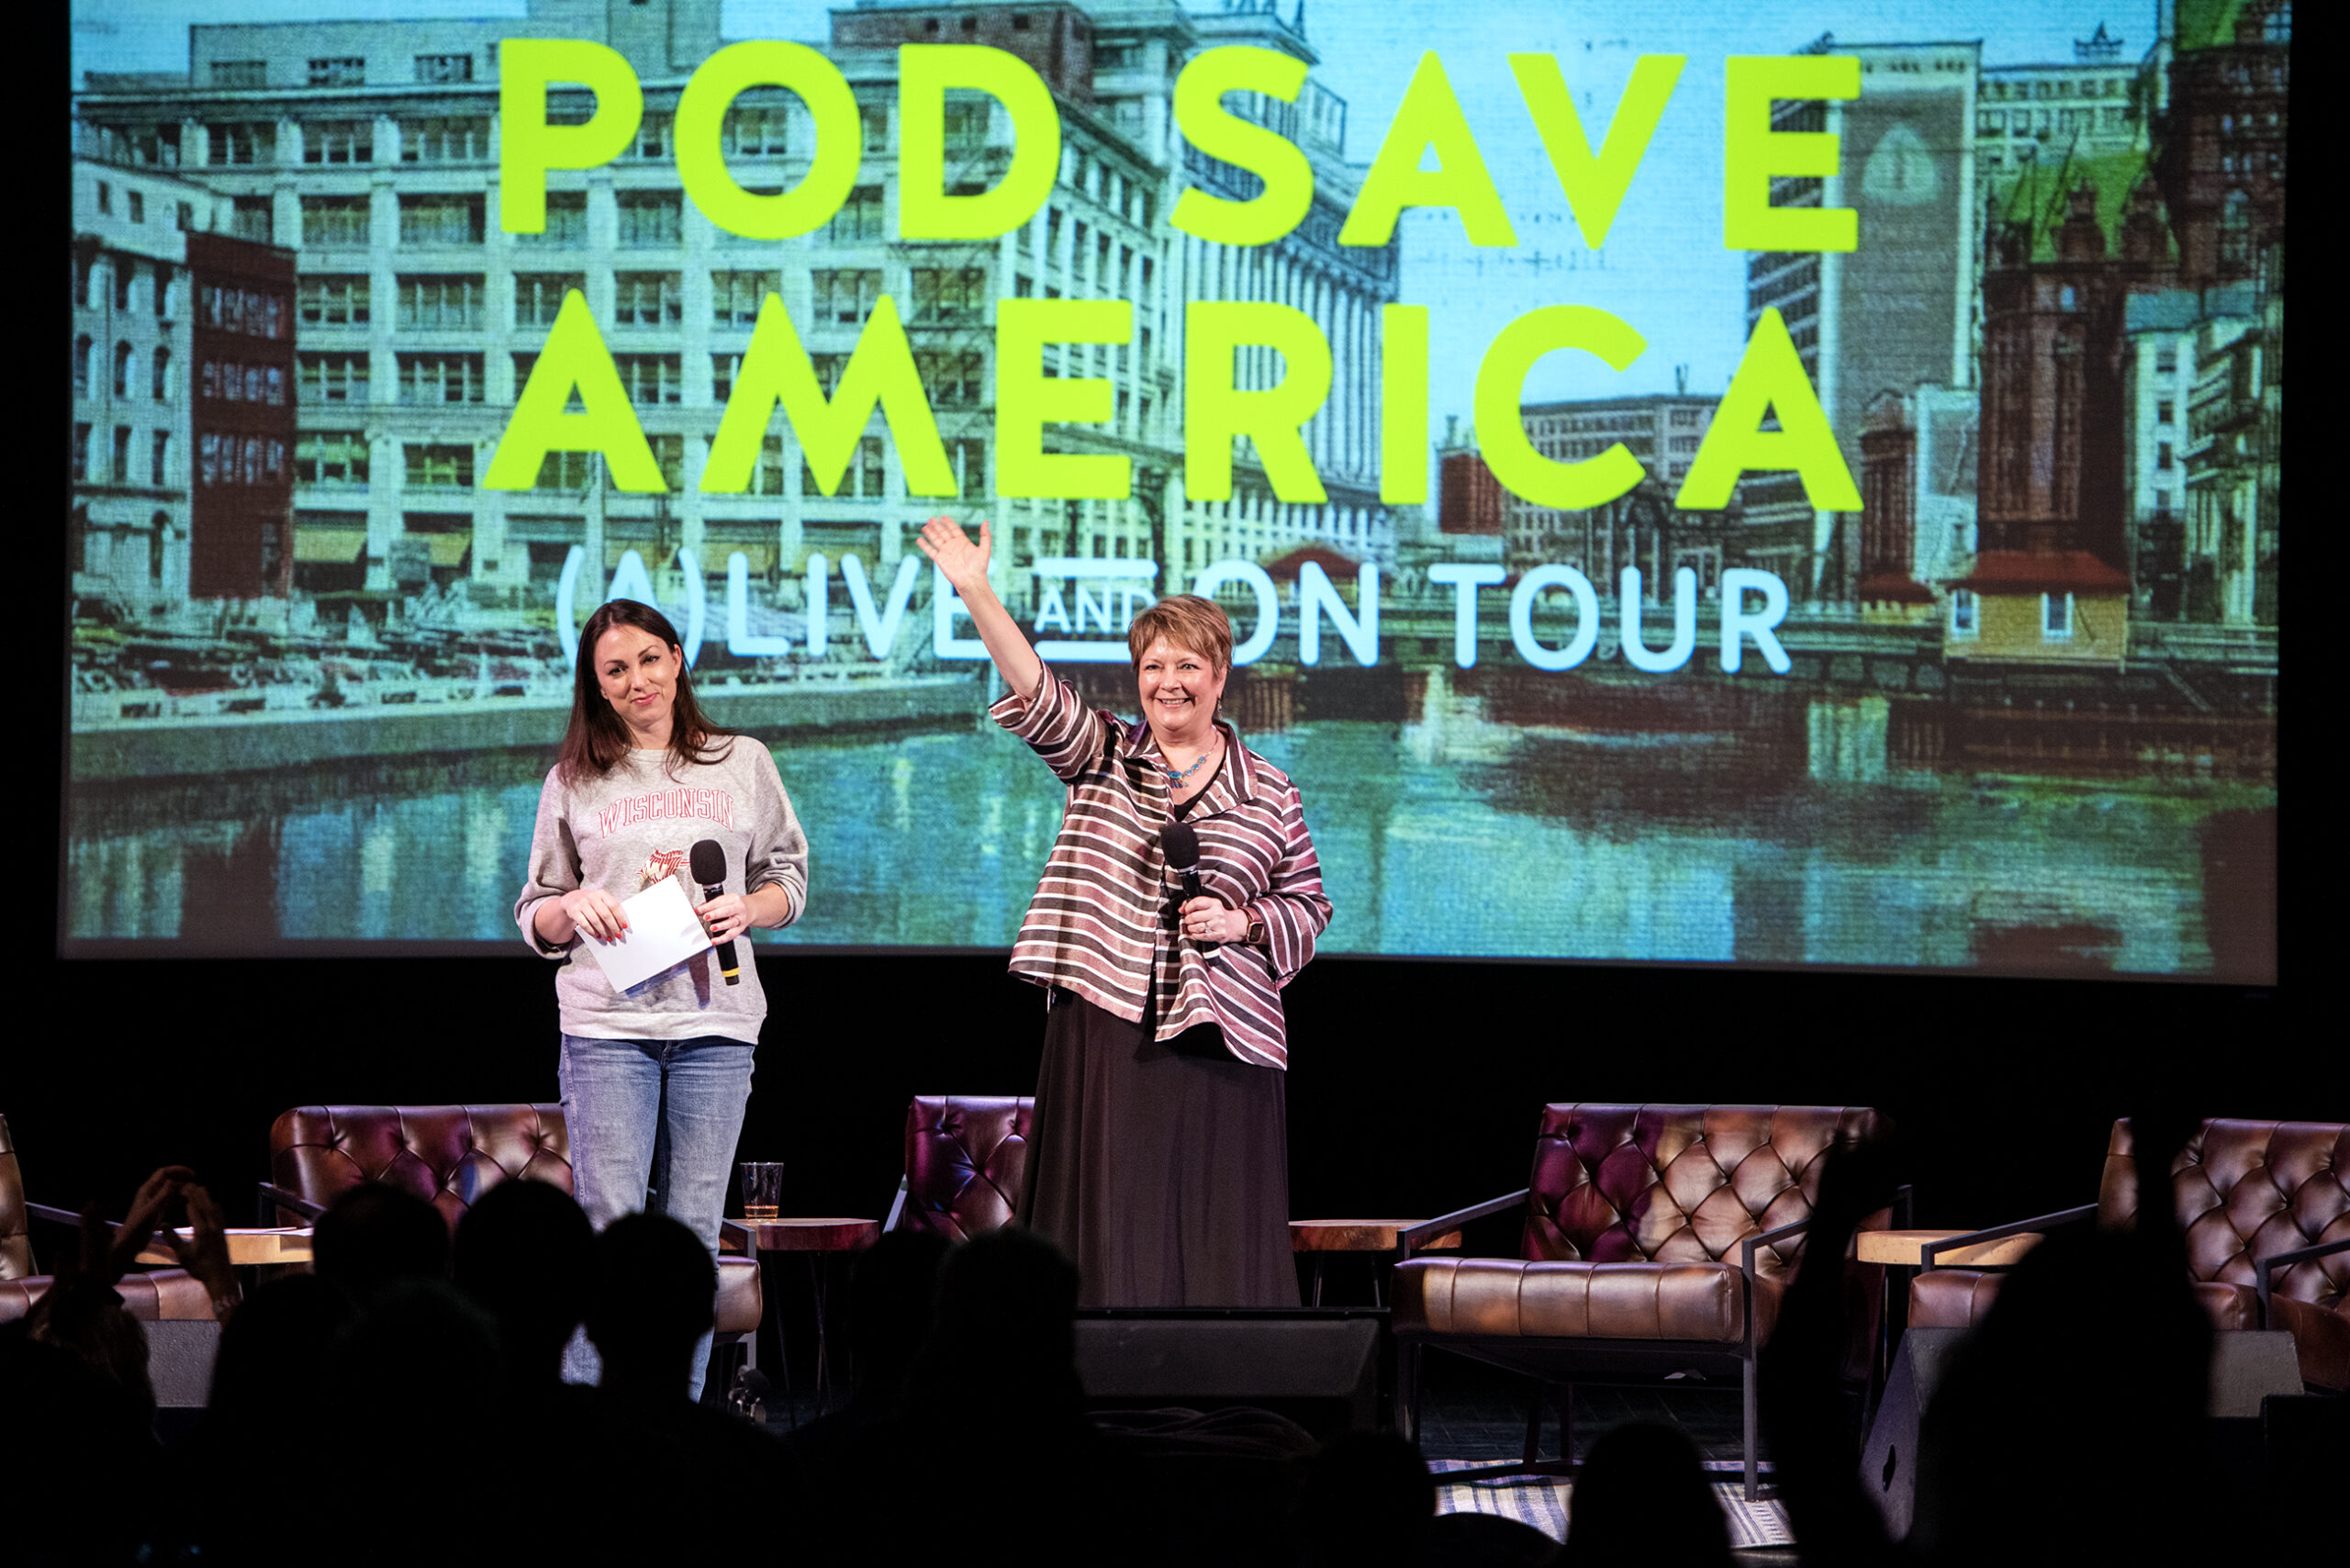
<point>2300,1255</point>
<point>735,1232</point>
<point>1408,1241</point>
<point>272,1193</point>
<point>896,1207</point>
<point>1748,1247</point>
<point>2017,1227</point>
<point>1746,1251</point>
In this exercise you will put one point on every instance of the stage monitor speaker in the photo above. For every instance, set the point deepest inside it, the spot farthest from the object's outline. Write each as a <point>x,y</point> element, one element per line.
<point>1322,1369</point>
<point>1889,1457</point>
<point>2246,1367</point>
<point>179,1361</point>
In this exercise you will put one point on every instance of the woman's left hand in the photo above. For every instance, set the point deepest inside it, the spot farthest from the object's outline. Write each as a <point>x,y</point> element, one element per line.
<point>725,917</point>
<point>1207,920</point>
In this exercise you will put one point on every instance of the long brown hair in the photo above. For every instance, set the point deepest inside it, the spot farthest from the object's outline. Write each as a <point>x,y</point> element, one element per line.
<point>597,738</point>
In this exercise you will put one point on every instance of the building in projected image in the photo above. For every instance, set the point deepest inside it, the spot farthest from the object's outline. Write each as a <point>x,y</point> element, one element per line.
<point>129,544</point>
<point>1641,529</point>
<point>369,150</point>
<point>1893,315</point>
<point>2044,115</point>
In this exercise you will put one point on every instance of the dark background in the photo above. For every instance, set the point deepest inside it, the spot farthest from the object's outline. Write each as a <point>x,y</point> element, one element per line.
<point>1414,1086</point>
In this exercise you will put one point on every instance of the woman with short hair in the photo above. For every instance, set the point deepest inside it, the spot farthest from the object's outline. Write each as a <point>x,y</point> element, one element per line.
<point>663,1069</point>
<point>1160,1159</point>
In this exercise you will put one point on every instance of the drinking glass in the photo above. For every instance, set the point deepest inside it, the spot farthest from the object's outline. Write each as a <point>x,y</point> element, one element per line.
<point>762,1189</point>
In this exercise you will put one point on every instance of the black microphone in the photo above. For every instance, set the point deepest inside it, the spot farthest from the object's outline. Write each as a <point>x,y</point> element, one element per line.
<point>709,859</point>
<point>1180,843</point>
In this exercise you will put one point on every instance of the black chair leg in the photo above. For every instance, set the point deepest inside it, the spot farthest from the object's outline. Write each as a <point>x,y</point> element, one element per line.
<point>1754,1468</point>
<point>1534,1425</point>
<point>1566,1423</point>
<point>1407,1390</point>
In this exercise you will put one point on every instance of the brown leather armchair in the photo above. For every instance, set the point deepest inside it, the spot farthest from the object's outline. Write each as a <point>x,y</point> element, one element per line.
<point>1657,1240</point>
<point>449,1155</point>
<point>967,1155</point>
<point>2264,1209</point>
<point>152,1296</point>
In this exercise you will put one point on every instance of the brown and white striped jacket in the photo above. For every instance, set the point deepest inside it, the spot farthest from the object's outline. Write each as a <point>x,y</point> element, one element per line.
<point>1103,923</point>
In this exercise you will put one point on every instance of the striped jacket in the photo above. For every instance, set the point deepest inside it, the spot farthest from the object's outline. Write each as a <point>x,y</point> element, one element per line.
<point>1103,923</point>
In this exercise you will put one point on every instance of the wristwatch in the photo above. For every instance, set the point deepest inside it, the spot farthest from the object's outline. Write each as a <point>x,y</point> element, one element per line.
<point>1256,932</point>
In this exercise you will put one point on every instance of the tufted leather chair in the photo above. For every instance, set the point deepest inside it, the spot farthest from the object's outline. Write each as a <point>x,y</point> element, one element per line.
<point>1656,1239</point>
<point>152,1296</point>
<point>967,1155</point>
<point>2244,1191</point>
<point>449,1155</point>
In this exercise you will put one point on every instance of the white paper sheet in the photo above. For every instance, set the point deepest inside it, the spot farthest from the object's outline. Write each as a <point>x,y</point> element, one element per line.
<point>662,931</point>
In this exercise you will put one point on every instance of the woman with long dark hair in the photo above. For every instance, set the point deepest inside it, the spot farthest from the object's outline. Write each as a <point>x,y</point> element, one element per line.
<point>660,1071</point>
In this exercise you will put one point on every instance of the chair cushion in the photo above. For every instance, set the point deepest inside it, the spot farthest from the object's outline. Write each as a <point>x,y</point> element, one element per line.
<point>1951,1298</point>
<point>447,1155</point>
<point>167,1295</point>
<point>2321,1335</point>
<point>1679,1183</point>
<point>1960,1298</point>
<point>741,1302</point>
<point>15,1240</point>
<point>967,1155</point>
<point>2244,1191</point>
<point>1503,1296</point>
<point>2229,1306</point>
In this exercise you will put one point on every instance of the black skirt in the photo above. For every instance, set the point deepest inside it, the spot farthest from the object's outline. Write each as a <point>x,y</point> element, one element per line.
<point>1161,1168</point>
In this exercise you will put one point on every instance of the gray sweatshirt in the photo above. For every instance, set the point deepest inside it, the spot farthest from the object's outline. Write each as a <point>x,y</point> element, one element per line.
<point>625,831</point>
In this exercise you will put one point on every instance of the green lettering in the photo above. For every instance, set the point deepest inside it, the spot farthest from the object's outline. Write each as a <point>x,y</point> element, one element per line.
<point>1770,379</point>
<point>1215,411</point>
<point>880,373</point>
<point>528,146</point>
<point>573,358</point>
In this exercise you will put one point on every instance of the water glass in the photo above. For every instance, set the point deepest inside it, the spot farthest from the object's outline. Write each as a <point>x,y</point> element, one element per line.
<point>762,1189</point>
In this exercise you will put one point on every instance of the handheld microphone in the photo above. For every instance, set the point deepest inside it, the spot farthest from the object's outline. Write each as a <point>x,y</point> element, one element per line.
<point>1180,843</point>
<point>708,862</point>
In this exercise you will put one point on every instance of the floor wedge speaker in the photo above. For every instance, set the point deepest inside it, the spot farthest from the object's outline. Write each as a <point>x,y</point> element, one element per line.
<point>1889,1457</point>
<point>2246,1367</point>
<point>1322,1369</point>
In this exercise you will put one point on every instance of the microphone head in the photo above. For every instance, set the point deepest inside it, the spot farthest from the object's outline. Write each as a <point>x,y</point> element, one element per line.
<point>1181,842</point>
<point>709,861</point>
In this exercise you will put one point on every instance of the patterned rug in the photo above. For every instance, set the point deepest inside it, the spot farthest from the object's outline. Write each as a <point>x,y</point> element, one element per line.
<point>1543,1501</point>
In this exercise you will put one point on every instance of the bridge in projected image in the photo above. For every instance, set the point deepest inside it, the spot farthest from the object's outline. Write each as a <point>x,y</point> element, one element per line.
<point>1857,699</point>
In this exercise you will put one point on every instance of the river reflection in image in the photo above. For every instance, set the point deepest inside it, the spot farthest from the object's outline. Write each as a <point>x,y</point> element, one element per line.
<point>1505,843</point>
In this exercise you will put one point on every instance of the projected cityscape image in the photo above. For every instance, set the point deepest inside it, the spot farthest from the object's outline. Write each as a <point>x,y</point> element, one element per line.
<point>2007,702</point>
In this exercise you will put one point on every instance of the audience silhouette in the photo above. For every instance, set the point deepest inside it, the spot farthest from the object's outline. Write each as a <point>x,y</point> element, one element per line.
<point>2051,1440</point>
<point>526,1254</point>
<point>372,1234</point>
<point>1642,1492</point>
<point>693,1471</point>
<point>1367,1501</point>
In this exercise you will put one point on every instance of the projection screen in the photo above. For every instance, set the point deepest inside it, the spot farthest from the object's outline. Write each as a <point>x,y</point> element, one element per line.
<point>1789,484</point>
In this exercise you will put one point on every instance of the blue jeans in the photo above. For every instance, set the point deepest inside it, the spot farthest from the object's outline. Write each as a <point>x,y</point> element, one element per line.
<point>658,1113</point>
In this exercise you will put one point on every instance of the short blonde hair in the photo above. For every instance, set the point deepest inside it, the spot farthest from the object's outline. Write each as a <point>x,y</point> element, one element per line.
<point>1187,621</point>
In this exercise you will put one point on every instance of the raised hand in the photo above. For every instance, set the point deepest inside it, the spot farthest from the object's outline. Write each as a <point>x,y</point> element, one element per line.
<point>146,1211</point>
<point>942,539</point>
<point>205,1254</point>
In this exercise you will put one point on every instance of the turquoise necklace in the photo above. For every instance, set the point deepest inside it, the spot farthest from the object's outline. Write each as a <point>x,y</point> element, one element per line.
<point>1174,777</point>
